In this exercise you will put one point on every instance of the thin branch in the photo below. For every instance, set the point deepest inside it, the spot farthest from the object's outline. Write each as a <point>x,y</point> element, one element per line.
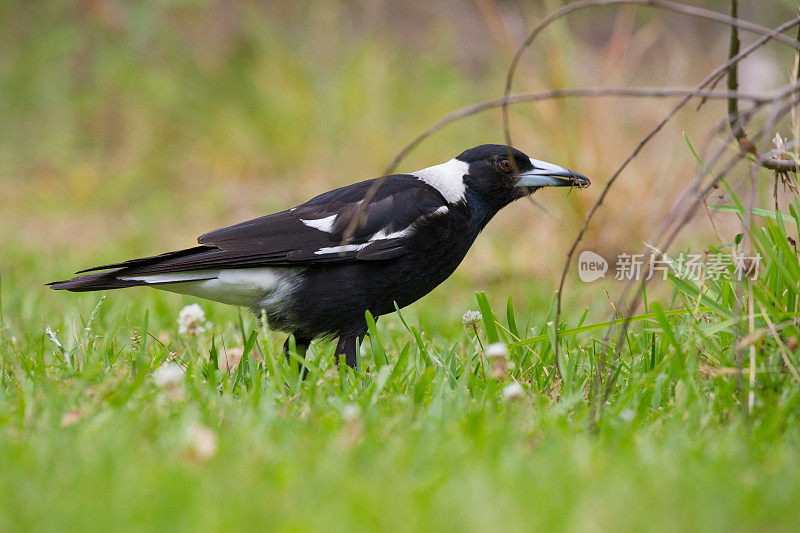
<point>797,59</point>
<point>646,139</point>
<point>659,4</point>
<point>733,77</point>
<point>587,92</point>
<point>688,10</point>
<point>776,164</point>
<point>783,27</point>
<point>575,6</point>
<point>691,210</point>
<point>700,91</point>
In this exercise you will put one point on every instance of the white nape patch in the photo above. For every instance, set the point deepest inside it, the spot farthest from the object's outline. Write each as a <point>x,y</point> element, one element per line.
<point>441,211</point>
<point>339,249</point>
<point>447,178</point>
<point>394,235</point>
<point>239,286</point>
<point>322,224</point>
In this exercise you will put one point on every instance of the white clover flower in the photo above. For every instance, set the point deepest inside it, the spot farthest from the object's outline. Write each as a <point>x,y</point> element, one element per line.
<point>498,355</point>
<point>627,415</point>
<point>497,350</point>
<point>201,442</point>
<point>192,320</point>
<point>471,319</point>
<point>169,376</point>
<point>513,392</point>
<point>351,412</point>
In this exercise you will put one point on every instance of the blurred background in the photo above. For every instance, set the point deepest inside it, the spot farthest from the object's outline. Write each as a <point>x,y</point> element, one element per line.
<point>129,128</point>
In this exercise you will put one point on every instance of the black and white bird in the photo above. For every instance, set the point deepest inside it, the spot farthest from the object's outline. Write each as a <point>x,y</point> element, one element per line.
<point>314,271</point>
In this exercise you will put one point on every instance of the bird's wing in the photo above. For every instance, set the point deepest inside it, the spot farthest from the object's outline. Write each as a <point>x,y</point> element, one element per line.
<point>312,233</point>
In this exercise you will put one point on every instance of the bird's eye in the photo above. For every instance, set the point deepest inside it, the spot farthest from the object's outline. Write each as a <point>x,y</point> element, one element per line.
<point>505,164</point>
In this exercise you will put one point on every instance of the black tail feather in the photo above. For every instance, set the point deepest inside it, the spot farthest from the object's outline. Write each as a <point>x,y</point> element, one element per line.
<point>152,260</point>
<point>98,281</point>
<point>110,279</point>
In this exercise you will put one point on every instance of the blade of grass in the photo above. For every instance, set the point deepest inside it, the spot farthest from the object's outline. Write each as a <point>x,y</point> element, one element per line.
<point>488,318</point>
<point>378,353</point>
<point>603,325</point>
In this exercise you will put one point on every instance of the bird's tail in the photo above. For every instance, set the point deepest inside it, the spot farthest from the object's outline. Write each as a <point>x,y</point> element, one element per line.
<point>133,273</point>
<point>95,281</point>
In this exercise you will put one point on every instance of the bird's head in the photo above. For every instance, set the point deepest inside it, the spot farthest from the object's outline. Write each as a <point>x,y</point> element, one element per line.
<point>501,174</point>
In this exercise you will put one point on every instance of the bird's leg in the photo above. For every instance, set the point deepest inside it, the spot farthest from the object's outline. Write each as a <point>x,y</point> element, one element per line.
<point>347,347</point>
<point>301,345</point>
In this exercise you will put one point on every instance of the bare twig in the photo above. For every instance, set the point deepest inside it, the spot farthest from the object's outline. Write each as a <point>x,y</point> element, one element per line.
<point>581,4</point>
<point>690,211</point>
<point>776,164</point>
<point>733,77</point>
<point>687,10</point>
<point>646,139</point>
<point>757,44</point>
<point>779,342</point>
<point>660,4</point>
<point>677,218</point>
<point>751,324</point>
<point>587,92</point>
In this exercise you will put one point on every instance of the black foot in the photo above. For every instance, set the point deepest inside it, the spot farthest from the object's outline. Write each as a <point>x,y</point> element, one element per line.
<point>347,347</point>
<point>301,345</point>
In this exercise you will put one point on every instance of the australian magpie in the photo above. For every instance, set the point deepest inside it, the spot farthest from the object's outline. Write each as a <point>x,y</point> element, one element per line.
<point>314,271</point>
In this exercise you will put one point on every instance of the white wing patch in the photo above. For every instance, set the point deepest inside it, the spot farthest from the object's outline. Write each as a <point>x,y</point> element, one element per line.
<point>447,178</point>
<point>394,235</point>
<point>322,224</point>
<point>382,234</point>
<point>339,249</point>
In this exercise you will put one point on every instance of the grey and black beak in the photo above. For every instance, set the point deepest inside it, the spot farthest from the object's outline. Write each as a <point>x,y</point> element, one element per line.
<point>546,174</point>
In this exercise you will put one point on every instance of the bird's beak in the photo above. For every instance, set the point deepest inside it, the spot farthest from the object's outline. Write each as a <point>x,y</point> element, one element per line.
<point>546,174</point>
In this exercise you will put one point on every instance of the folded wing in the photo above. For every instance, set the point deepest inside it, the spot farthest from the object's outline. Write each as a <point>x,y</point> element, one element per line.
<point>313,233</point>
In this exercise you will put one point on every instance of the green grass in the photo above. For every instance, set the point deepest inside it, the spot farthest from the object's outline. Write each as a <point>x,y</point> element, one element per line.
<point>422,436</point>
<point>128,132</point>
